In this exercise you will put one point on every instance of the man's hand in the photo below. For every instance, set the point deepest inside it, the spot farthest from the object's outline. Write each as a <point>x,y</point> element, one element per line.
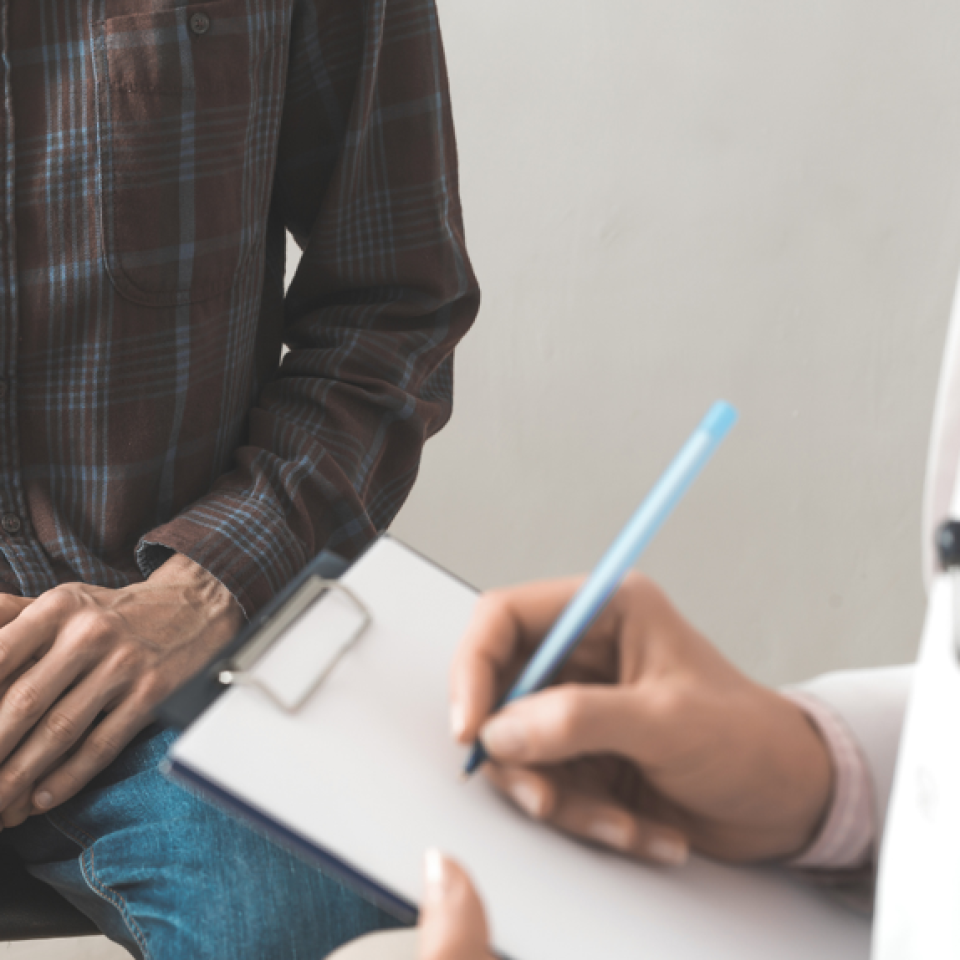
<point>85,667</point>
<point>651,743</point>
<point>453,925</point>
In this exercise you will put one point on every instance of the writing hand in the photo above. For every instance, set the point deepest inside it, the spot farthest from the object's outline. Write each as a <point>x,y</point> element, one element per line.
<point>86,667</point>
<point>651,742</point>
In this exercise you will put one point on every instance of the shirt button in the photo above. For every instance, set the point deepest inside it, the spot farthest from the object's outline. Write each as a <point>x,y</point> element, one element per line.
<point>10,523</point>
<point>199,23</point>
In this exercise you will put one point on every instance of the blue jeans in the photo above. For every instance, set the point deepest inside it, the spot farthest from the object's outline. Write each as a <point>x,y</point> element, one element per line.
<point>168,876</point>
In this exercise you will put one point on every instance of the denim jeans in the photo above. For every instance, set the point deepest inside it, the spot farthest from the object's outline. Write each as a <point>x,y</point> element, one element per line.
<point>170,877</point>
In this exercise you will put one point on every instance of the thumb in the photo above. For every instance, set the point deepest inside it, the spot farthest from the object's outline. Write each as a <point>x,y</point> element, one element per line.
<point>563,723</point>
<point>453,925</point>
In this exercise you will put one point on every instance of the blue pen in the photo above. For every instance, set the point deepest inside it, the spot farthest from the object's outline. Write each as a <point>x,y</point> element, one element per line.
<point>594,595</point>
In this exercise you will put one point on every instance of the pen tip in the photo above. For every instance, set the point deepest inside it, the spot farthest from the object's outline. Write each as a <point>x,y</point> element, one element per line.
<point>464,776</point>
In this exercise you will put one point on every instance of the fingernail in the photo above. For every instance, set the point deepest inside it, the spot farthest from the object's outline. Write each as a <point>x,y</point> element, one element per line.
<point>611,833</point>
<point>43,799</point>
<point>528,798</point>
<point>503,737</point>
<point>669,851</point>
<point>435,874</point>
<point>458,720</point>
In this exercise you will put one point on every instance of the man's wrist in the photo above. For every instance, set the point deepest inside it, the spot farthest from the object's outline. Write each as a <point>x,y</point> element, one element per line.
<point>201,585</point>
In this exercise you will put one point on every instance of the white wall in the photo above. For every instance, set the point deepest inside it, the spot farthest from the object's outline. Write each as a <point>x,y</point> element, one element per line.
<point>669,201</point>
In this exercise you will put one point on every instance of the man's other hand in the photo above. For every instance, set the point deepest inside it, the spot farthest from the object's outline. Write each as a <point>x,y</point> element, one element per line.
<point>84,669</point>
<point>652,742</point>
<point>453,925</point>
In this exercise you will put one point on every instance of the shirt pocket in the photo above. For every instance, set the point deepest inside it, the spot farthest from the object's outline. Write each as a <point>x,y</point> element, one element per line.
<point>188,109</point>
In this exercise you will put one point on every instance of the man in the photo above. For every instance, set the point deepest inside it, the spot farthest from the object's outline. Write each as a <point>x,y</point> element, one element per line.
<point>163,474</point>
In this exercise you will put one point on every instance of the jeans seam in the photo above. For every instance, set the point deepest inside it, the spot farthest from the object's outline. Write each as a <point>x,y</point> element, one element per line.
<point>88,869</point>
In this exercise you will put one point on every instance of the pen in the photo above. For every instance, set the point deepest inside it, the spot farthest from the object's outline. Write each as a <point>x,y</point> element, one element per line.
<point>593,596</point>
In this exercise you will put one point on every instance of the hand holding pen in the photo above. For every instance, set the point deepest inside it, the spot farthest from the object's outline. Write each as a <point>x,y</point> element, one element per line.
<point>650,742</point>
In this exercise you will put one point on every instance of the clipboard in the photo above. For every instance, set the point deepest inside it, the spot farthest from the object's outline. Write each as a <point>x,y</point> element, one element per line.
<point>233,667</point>
<point>360,775</point>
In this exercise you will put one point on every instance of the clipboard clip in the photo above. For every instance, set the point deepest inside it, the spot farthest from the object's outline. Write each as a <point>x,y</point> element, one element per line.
<point>250,666</point>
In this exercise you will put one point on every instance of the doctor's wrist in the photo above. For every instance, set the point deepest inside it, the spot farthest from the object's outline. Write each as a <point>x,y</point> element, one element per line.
<point>814,779</point>
<point>846,837</point>
<point>785,783</point>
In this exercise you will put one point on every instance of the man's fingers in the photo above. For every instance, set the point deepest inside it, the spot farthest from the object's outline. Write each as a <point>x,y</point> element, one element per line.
<point>6,684</point>
<point>504,623</point>
<point>453,925</point>
<point>591,817</point>
<point>18,811</point>
<point>11,607</point>
<point>32,694</point>
<point>101,747</point>
<point>563,723</point>
<point>66,723</point>
<point>25,636</point>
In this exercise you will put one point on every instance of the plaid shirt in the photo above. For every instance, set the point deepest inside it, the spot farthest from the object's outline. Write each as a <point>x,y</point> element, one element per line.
<point>153,153</point>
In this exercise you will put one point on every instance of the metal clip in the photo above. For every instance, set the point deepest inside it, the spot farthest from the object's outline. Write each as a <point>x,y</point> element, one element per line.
<point>236,672</point>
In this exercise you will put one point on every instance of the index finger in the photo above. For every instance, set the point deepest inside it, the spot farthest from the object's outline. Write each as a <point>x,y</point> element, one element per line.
<point>505,625</point>
<point>11,606</point>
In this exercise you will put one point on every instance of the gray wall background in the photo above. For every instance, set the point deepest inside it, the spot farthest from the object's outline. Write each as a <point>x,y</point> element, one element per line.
<point>669,201</point>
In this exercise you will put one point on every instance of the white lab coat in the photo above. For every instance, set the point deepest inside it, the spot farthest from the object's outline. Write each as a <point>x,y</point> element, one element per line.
<point>914,763</point>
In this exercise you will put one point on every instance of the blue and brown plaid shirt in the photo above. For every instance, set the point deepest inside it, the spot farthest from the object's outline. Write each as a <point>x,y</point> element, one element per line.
<point>153,153</point>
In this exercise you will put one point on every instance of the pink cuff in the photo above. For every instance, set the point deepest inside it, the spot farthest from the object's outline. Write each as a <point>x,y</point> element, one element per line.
<point>846,839</point>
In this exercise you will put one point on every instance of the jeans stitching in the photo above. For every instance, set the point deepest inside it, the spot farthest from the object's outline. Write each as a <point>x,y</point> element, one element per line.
<point>73,832</point>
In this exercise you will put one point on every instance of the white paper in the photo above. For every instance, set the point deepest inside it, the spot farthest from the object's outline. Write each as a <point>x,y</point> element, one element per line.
<point>368,771</point>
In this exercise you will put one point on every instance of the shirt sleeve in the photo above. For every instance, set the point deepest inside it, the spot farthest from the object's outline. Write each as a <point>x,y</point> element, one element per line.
<point>367,184</point>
